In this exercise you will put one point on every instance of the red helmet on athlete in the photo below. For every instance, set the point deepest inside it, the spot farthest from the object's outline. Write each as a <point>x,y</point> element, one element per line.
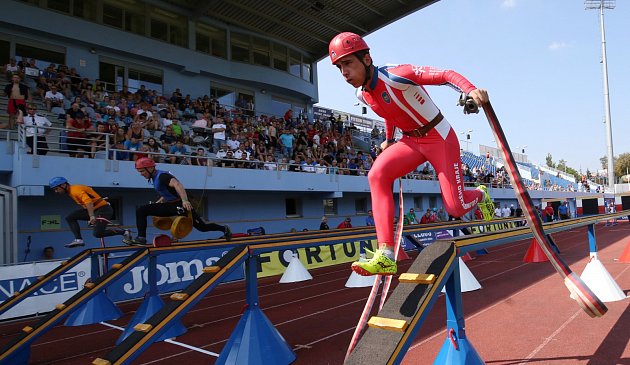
<point>344,44</point>
<point>144,162</point>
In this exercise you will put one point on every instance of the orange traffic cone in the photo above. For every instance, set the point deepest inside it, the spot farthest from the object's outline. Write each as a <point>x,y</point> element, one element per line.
<point>625,255</point>
<point>535,253</point>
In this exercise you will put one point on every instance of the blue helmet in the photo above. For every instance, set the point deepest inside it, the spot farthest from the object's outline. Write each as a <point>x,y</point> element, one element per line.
<point>56,181</point>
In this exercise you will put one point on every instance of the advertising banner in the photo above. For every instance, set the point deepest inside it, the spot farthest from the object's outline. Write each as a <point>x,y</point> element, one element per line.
<point>175,271</point>
<point>274,263</point>
<point>17,277</point>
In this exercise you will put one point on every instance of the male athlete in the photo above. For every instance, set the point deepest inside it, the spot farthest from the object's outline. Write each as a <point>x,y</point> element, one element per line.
<point>173,201</point>
<point>396,93</point>
<point>94,209</point>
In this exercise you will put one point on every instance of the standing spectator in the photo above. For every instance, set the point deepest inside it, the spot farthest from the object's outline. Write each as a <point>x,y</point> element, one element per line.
<point>410,218</point>
<point>324,224</point>
<point>442,216</point>
<point>505,212</point>
<point>18,94</point>
<point>35,129</point>
<point>548,213</point>
<point>94,209</point>
<point>345,224</point>
<point>428,217</point>
<point>218,130</point>
<point>369,220</point>
<point>287,141</point>
<point>173,201</point>
<point>563,210</point>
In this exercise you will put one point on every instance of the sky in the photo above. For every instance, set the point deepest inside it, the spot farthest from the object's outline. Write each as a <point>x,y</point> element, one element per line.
<point>540,61</point>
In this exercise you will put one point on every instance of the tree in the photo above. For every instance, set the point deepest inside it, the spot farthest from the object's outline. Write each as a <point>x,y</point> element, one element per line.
<point>549,160</point>
<point>562,165</point>
<point>604,161</point>
<point>622,164</point>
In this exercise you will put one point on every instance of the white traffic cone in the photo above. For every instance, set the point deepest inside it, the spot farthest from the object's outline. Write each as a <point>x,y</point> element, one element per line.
<point>597,278</point>
<point>295,271</point>
<point>467,280</point>
<point>358,281</point>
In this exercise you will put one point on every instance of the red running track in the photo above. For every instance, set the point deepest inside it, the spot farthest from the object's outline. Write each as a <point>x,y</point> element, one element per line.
<point>522,315</point>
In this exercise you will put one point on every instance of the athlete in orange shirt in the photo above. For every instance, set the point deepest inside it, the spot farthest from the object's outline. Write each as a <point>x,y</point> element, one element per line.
<point>95,210</point>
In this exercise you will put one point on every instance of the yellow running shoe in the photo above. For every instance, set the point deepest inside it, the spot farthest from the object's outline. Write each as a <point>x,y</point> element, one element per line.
<point>486,205</point>
<point>379,264</point>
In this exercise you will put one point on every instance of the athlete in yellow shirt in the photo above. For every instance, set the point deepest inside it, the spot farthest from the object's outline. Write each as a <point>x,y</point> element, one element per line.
<point>95,210</point>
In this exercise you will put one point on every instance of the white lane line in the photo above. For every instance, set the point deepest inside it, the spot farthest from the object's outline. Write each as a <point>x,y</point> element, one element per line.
<point>171,341</point>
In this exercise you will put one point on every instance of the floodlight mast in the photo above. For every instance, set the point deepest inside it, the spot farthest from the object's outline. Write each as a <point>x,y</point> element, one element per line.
<point>601,5</point>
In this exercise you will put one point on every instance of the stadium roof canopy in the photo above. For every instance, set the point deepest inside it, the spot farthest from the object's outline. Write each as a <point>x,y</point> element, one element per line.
<point>306,24</point>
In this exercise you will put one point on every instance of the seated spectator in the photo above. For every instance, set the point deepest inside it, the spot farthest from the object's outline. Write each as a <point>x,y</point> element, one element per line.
<point>41,87</point>
<point>181,151</point>
<point>78,128</point>
<point>11,69</point>
<point>270,164</point>
<point>99,140</point>
<point>133,145</point>
<point>228,160</point>
<point>167,120</point>
<point>53,98</point>
<point>168,137</point>
<point>177,129</point>
<point>233,143</point>
<point>136,131</point>
<point>153,146</point>
<point>200,158</point>
<point>118,152</point>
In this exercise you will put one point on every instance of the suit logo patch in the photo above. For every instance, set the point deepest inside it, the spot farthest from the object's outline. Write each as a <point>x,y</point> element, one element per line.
<point>386,97</point>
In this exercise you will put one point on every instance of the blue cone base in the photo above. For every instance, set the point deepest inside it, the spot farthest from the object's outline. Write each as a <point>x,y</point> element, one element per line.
<point>98,309</point>
<point>483,251</point>
<point>464,355</point>
<point>255,341</point>
<point>150,305</point>
<point>19,357</point>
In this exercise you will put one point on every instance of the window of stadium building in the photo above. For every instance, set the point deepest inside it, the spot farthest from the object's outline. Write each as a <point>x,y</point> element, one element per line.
<point>330,206</point>
<point>280,57</point>
<point>295,64</point>
<point>169,27</point>
<point>239,44</point>
<point>293,208</point>
<point>136,78</point>
<point>43,57</point>
<point>417,202</point>
<point>262,51</point>
<point>85,9</point>
<point>360,205</point>
<point>211,40</point>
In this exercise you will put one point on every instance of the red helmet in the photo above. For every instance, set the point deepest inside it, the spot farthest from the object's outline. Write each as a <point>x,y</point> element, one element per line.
<point>344,44</point>
<point>144,163</point>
